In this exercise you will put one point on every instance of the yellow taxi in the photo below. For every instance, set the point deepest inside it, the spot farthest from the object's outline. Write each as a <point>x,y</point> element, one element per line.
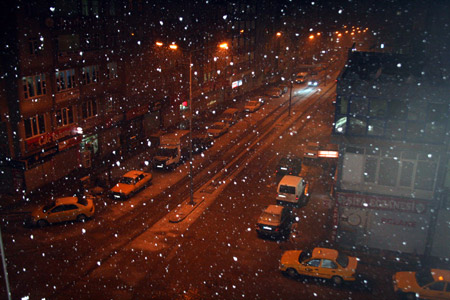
<point>424,284</point>
<point>320,262</point>
<point>130,183</point>
<point>62,210</point>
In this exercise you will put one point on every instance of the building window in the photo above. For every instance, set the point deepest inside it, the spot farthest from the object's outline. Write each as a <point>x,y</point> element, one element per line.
<point>64,116</point>
<point>357,126</point>
<point>90,74</point>
<point>89,7</point>
<point>89,109</point>
<point>65,80</point>
<point>406,173</point>
<point>378,108</point>
<point>375,127</point>
<point>34,86</point>
<point>388,171</point>
<point>425,174</point>
<point>370,169</point>
<point>112,71</point>
<point>36,45</point>
<point>358,106</point>
<point>34,126</point>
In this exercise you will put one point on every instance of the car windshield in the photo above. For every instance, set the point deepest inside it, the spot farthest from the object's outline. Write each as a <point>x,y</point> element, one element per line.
<point>48,206</point>
<point>126,180</point>
<point>342,259</point>
<point>82,200</point>
<point>269,217</point>
<point>287,189</point>
<point>170,152</point>
<point>284,161</point>
<point>424,277</point>
<point>304,256</point>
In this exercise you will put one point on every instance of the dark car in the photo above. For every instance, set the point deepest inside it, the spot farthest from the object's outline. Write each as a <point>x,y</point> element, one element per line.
<point>289,165</point>
<point>275,221</point>
<point>201,142</point>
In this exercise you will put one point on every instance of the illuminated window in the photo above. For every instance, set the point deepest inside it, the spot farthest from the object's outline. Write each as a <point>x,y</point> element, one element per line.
<point>65,80</point>
<point>64,116</point>
<point>90,74</point>
<point>34,86</point>
<point>34,126</point>
<point>89,109</point>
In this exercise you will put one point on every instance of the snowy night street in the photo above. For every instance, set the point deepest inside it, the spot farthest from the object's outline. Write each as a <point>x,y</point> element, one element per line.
<point>209,149</point>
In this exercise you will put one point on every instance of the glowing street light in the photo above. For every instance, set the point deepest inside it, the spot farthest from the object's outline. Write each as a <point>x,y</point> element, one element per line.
<point>223,46</point>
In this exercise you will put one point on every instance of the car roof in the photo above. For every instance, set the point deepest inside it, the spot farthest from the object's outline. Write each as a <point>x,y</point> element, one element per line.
<point>274,209</point>
<point>66,200</point>
<point>324,253</point>
<point>440,275</point>
<point>290,180</point>
<point>230,110</point>
<point>133,173</point>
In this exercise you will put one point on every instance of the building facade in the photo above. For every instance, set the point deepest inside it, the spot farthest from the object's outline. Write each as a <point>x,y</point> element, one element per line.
<point>392,127</point>
<point>82,81</point>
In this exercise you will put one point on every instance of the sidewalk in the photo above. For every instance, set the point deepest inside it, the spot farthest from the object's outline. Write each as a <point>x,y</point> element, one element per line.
<point>103,174</point>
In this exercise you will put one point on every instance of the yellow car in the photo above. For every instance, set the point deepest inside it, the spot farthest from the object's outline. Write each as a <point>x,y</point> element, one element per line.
<point>425,284</point>
<point>62,210</point>
<point>130,183</point>
<point>321,262</point>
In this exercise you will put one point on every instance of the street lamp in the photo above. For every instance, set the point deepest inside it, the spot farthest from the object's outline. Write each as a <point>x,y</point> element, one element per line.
<point>223,46</point>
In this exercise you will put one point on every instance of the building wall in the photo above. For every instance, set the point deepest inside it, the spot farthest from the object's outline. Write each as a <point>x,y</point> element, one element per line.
<point>392,125</point>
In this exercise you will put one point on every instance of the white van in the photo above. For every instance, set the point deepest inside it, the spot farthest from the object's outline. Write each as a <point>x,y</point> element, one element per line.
<point>292,190</point>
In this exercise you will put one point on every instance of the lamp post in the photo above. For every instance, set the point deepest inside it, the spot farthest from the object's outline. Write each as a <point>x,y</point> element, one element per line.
<point>191,177</point>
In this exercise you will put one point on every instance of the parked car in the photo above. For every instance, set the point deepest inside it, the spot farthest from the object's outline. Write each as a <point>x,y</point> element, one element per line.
<point>231,116</point>
<point>261,98</point>
<point>320,262</point>
<point>274,92</point>
<point>131,183</point>
<point>275,221</point>
<point>301,77</point>
<point>217,129</point>
<point>64,209</point>
<point>201,142</point>
<point>289,165</point>
<point>424,284</point>
<point>252,106</point>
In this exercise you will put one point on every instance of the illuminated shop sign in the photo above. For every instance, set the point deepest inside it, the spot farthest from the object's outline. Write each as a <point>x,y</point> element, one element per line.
<point>237,83</point>
<point>47,138</point>
<point>382,203</point>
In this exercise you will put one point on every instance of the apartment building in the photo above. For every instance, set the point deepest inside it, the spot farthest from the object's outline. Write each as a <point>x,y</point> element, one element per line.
<point>83,80</point>
<point>392,127</point>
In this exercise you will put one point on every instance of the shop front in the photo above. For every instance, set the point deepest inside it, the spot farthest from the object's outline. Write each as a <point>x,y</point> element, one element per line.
<point>380,222</point>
